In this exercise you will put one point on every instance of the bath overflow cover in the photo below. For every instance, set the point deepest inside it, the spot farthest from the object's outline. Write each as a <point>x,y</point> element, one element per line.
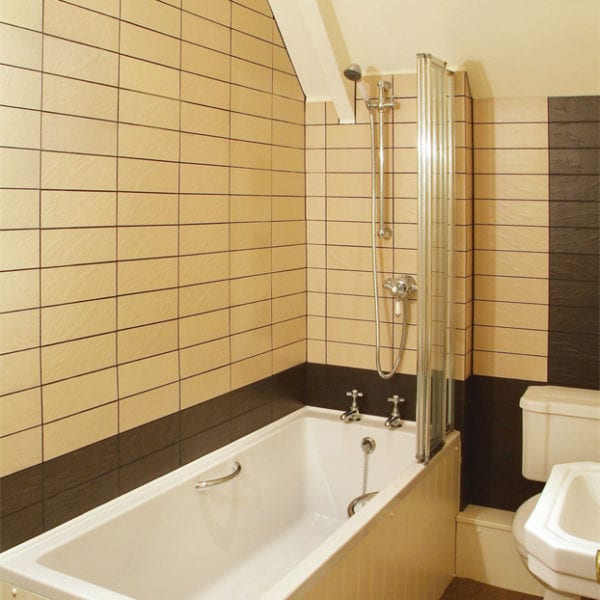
<point>368,445</point>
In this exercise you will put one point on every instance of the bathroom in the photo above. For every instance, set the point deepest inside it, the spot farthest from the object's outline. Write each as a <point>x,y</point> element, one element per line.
<point>184,239</point>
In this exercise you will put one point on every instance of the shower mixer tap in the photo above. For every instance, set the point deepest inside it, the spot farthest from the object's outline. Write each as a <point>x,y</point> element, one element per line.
<point>400,289</point>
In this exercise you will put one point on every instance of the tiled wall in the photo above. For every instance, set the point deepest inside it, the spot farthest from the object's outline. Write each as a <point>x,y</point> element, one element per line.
<point>511,238</point>
<point>338,204</point>
<point>152,214</point>
<point>574,328</point>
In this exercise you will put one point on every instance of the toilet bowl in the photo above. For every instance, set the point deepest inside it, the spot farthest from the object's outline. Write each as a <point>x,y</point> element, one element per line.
<point>560,425</point>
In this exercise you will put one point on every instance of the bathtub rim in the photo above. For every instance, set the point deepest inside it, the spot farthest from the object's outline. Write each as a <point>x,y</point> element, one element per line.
<point>19,565</point>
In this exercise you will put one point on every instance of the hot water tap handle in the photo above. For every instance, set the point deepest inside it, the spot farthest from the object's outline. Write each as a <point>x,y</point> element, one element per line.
<point>395,399</point>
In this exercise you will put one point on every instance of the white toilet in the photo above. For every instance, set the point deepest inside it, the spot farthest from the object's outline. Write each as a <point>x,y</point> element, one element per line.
<point>560,425</point>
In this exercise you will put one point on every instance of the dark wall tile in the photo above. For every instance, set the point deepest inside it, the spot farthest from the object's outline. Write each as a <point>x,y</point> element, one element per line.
<point>573,267</point>
<point>148,438</point>
<point>328,384</point>
<point>573,320</point>
<point>574,135</point>
<point>493,443</point>
<point>81,498</point>
<point>207,441</point>
<point>575,372</point>
<point>149,467</point>
<point>74,468</point>
<point>250,421</point>
<point>574,161</point>
<point>577,294</point>
<point>21,525</point>
<point>570,240</point>
<point>20,490</point>
<point>205,415</point>
<point>584,188</point>
<point>574,108</point>
<point>574,214</point>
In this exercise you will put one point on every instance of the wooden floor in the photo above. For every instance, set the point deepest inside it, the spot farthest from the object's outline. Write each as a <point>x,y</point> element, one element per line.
<point>467,589</point>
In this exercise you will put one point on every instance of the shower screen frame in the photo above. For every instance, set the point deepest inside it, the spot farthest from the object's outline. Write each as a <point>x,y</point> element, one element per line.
<point>435,305</point>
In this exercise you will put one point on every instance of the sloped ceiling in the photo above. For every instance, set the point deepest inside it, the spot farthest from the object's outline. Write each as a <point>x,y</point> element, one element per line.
<point>510,48</point>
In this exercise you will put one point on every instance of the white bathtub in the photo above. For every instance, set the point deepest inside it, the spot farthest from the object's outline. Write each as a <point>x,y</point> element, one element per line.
<point>277,530</point>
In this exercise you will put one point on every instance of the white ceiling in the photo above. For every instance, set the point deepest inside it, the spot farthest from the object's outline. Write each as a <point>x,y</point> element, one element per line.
<point>510,48</point>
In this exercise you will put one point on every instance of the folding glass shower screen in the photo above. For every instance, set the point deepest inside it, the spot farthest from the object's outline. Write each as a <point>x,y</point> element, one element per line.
<point>435,254</point>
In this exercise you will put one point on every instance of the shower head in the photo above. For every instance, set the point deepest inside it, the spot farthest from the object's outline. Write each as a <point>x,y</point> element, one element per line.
<point>353,72</point>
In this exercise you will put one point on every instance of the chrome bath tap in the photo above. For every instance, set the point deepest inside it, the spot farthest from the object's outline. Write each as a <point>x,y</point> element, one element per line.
<point>394,421</point>
<point>352,414</point>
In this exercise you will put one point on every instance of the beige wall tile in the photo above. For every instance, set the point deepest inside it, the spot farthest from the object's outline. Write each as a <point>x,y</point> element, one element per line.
<point>251,289</point>
<point>70,59</point>
<point>153,15</point>
<point>205,33</point>
<point>288,257</point>
<point>147,242</point>
<point>204,149</point>
<point>20,411</point>
<point>511,341</point>
<point>109,7</point>
<point>511,161</point>
<point>205,386</point>
<point>150,340</point>
<point>250,75</point>
<point>145,109</point>
<point>250,208</point>
<point>289,332</point>
<point>80,25</point>
<point>289,109</point>
<point>147,209</point>
<point>20,127</point>
<point>71,284</point>
<point>289,282</point>
<point>80,430</point>
<point>204,357</point>
<point>251,370</point>
<point>146,307</point>
<point>149,45</point>
<point>289,356</point>
<point>250,316</point>
<point>511,289</point>
<point>511,314</point>
<point>146,275</point>
<point>249,262</point>
<point>204,90</point>
<point>142,76</point>
<point>512,264</point>
<point>20,450</point>
<point>147,374</point>
<point>508,212</point>
<point>19,168</point>
<point>78,209</point>
<point>532,239</point>
<point>136,175</point>
<point>19,330</point>
<point>146,142</point>
<point>201,239</point>
<point>250,343</point>
<point>250,235</point>
<point>286,208</point>
<point>250,155</point>
<point>204,61</point>
<point>202,328</point>
<point>512,187</point>
<point>196,208</point>
<point>69,96</point>
<point>19,249</point>
<point>205,297</point>
<point>204,179</point>
<point>68,359</point>
<point>20,47</point>
<point>20,371</point>
<point>70,396</point>
<point>511,135</point>
<point>78,246</point>
<point>145,407</point>
<point>203,268</point>
<point>81,319</point>
<point>24,13</point>
<point>514,366</point>
<point>20,290</point>
<point>510,110</point>
<point>78,172</point>
<point>19,87</point>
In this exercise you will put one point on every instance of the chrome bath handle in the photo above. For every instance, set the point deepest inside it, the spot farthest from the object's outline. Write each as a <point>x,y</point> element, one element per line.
<point>202,485</point>
<point>352,506</point>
